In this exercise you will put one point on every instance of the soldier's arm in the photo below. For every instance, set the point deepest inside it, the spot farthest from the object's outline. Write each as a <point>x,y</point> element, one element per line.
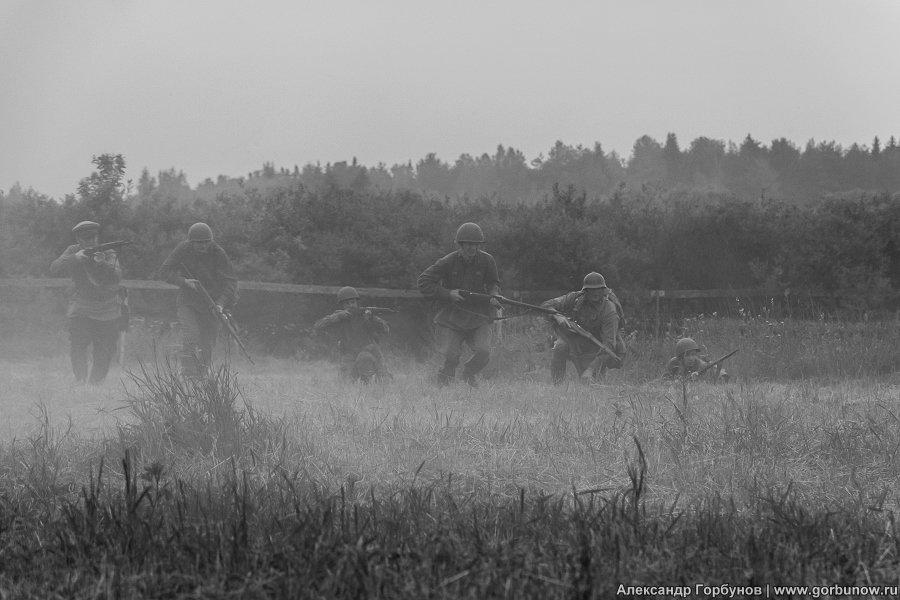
<point>430,282</point>
<point>170,271</point>
<point>61,265</point>
<point>225,270</point>
<point>492,277</point>
<point>609,325</point>
<point>332,319</point>
<point>380,326</point>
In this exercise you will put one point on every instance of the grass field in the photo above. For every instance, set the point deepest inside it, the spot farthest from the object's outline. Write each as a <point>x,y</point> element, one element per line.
<point>279,472</point>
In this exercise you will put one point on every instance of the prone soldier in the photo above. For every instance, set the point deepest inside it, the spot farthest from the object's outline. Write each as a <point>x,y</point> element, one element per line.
<point>688,363</point>
<point>359,333</point>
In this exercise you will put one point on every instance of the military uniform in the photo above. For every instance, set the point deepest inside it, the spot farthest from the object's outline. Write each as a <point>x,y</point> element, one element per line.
<point>601,319</point>
<point>686,366</point>
<point>198,322</point>
<point>468,321</point>
<point>688,363</point>
<point>359,334</point>
<point>95,309</point>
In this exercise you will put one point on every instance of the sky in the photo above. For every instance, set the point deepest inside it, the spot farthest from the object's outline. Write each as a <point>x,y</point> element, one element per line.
<point>219,87</point>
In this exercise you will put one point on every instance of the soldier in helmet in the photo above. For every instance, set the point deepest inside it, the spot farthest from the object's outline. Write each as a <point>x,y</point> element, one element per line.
<point>689,363</point>
<point>596,308</point>
<point>95,307</point>
<point>460,319</point>
<point>199,261</point>
<point>359,332</point>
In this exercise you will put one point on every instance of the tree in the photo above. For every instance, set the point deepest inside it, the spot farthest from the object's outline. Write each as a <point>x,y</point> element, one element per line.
<point>102,193</point>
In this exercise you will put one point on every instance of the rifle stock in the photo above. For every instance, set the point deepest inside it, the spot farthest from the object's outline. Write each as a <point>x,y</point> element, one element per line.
<point>223,316</point>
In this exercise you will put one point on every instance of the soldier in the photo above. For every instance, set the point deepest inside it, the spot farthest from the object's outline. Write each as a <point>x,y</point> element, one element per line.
<point>597,310</point>
<point>197,262</point>
<point>95,309</point>
<point>688,363</point>
<point>459,319</point>
<point>359,332</point>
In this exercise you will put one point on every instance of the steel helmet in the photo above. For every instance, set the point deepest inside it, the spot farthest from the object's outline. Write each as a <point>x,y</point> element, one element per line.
<point>685,345</point>
<point>200,232</point>
<point>85,226</point>
<point>347,293</point>
<point>469,232</point>
<point>593,281</point>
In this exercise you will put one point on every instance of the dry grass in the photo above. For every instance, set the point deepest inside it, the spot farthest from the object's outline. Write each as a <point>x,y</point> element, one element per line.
<point>832,440</point>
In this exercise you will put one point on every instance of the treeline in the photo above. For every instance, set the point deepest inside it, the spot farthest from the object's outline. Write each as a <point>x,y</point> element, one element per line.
<point>748,171</point>
<point>640,239</point>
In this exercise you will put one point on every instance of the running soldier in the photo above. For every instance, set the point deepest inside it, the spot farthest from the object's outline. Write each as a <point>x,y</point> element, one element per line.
<point>458,320</point>
<point>199,261</point>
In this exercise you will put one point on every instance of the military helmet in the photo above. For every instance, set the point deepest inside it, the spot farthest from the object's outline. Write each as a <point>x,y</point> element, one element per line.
<point>469,232</point>
<point>85,226</point>
<point>685,345</point>
<point>200,232</point>
<point>347,293</point>
<point>593,281</point>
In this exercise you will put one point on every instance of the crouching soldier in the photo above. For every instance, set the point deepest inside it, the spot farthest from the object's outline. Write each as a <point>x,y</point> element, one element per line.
<point>359,331</point>
<point>588,313</point>
<point>688,363</point>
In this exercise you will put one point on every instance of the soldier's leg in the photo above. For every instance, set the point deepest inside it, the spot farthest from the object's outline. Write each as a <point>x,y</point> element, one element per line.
<point>189,318</point>
<point>559,360</point>
<point>208,328</point>
<point>364,367</point>
<point>80,339</point>
<point>479,340</point>
<point>449,343</point>
<point>378,359</point>
<point>104,335</point>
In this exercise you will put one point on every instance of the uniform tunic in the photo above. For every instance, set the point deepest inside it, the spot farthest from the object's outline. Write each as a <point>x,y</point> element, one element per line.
<point>454,272</point>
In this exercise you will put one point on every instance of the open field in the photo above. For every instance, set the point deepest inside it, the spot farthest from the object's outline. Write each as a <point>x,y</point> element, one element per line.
<point>774,478</point>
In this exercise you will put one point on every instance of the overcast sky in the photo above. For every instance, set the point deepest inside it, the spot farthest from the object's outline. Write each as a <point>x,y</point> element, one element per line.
<point>222,86</point>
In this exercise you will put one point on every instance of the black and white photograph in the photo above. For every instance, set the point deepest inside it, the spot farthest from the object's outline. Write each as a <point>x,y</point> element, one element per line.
<point>429,299</point>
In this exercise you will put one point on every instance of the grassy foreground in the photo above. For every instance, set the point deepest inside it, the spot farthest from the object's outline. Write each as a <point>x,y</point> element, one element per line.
<point>280,480</point>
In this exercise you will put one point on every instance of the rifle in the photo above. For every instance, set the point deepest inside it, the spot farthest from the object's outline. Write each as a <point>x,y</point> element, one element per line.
<point>107,246</point>
<point>377,310</point>
<point>569,324</point>
<point>716,362</point>
<point>222,315</point>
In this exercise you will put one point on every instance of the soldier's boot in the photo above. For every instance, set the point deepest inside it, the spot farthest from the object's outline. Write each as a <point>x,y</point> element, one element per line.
<point>448,372</point>
<point>474,366</point>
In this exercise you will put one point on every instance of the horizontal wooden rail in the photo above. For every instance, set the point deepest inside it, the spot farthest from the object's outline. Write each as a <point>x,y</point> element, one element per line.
<point>732,293</point>
<point>288,288</point>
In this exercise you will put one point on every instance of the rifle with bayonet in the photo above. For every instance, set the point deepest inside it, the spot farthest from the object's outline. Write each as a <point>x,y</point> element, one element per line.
<point>569,324</point>
<point>220,313</point>
<point>107,246</point>
<point>716,362</point>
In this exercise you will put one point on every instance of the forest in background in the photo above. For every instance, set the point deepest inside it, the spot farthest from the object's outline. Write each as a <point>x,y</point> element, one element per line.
<point>714,215</point>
